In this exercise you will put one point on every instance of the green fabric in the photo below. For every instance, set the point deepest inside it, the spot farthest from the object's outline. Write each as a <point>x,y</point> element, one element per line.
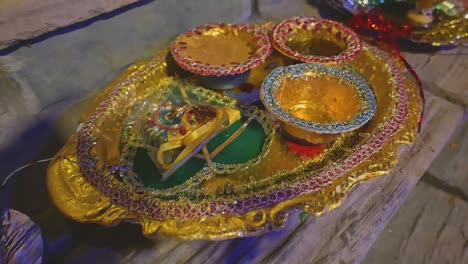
<point>149,174</point>
<point>245,147</point>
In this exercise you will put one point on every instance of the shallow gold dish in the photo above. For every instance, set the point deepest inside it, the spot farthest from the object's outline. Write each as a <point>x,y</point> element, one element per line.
<point>244,203</point>
<point>220,49</point>
<point>222,54</point>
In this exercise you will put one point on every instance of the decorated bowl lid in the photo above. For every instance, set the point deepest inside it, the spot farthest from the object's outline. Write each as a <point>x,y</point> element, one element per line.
<point>316,40</point>
<point>318,98</point>
<point>221,49</point>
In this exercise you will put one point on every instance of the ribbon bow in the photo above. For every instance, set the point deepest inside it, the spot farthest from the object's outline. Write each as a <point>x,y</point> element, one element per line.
<point>192,140</point>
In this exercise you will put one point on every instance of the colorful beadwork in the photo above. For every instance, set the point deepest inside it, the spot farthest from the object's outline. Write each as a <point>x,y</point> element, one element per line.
<point>261,49</point>
<point>285,30</point>
<point>272,84</point>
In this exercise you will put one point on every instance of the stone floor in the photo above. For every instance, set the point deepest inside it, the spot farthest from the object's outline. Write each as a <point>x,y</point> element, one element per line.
<point>432,225</point>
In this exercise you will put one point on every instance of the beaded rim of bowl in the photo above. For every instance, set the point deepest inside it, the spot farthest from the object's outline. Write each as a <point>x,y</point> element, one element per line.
<point>273,82</point>
<point>260,53</point>
<point>282,32</point>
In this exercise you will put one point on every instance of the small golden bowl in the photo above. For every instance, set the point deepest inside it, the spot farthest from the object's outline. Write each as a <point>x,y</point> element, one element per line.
<point>223,54</point>
<point>316,103</point>
<point>316,40</point>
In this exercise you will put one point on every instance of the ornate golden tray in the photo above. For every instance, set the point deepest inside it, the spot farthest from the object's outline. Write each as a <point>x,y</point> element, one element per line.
<point>249,202</point>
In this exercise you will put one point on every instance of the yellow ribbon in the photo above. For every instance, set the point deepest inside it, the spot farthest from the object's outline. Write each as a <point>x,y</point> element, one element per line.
<point>199,136</point>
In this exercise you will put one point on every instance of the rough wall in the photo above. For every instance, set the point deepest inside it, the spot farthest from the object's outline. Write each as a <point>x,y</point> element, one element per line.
<point>24,19</point>
<point>50,75</point>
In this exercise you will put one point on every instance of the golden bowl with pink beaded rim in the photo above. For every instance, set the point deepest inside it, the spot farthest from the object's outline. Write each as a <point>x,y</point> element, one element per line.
<point>316,40</point>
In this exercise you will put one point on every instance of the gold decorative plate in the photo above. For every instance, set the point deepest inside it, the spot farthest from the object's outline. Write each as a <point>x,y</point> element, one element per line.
<point>221,49</point>
<point>85,186</point>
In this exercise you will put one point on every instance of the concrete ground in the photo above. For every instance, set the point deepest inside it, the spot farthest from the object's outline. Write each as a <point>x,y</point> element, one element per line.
<point>432,224</point>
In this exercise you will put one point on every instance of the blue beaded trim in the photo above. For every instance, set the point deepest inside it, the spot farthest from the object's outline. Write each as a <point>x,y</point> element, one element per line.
<point>273,81</point>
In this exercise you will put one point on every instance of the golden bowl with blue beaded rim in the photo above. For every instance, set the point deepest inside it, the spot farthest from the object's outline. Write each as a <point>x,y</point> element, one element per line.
<point>317,103</point>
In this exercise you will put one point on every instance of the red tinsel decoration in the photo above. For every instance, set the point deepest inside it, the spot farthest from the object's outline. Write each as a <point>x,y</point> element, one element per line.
<point>306,150</point>
<point>375,24</point>
<point>379,28</point>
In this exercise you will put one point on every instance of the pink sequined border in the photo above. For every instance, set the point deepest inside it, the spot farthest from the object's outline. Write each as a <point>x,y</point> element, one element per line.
<point>281,34</point>
<point>261,53</point>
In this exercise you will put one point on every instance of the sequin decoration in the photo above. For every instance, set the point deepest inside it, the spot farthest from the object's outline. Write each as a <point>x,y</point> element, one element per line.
<point>234,49</point>
<point>316,40</point>
<point>274,83</point>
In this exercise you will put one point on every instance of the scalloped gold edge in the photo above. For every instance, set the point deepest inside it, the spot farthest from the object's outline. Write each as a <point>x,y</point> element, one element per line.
<point>79,200</point>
